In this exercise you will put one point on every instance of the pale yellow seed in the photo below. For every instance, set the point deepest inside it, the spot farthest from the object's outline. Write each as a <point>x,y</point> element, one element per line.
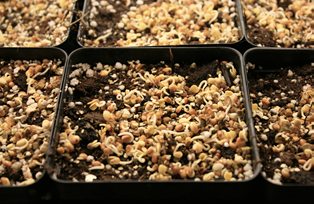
<point>142,26</point>
<point>106,115</point>
<point>46,124</point>
<point>208,176</point>
<point>178,155</point>
<point>228,93</point>
<point>228,175</point>
<point>21,142</point>
<point>162,169</point>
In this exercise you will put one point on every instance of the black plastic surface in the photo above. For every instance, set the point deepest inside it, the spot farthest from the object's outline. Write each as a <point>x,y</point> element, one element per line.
<point>70,44</point>
<point>69,190</point>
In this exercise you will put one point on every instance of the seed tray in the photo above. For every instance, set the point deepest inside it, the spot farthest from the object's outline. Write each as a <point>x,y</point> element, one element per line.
<point>22,110</point>
<point>65,153</point>
<point>175,32</point>
<point>284,147</point>
<point>286,24</point>
<point>35,24</point>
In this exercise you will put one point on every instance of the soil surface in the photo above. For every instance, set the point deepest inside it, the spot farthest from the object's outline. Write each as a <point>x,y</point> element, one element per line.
<point>284,89</point>
<point>281,23</point>
<point>34,24</point>
<point>87,123</point>
<point>108,23</point>
<point>27,102</point>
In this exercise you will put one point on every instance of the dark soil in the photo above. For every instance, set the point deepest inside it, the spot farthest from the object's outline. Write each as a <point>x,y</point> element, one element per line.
<point>88,123</point>
<point>34,118</point>
<point>106,20</point>
<point>20,80</point>
<point>260,36</point>
<point>263,36</point>
<point>264,82</point>
<point>284,3</point>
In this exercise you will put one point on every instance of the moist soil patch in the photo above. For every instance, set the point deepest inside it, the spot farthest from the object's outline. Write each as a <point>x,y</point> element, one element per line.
<point>97,113</point>
<point>158,23</point>
<point>279,96</point>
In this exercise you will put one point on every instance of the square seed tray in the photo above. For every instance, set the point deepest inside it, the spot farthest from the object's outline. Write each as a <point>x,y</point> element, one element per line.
<point>72,166</point>
<point>286,24</point>
<point>35,24</point>
<point>166,23</point>
<point>22,167</point>
<point>281,94</point>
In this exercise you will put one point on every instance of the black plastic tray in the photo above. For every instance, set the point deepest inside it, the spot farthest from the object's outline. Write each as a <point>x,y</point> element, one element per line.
<point>69,190</point>
<point>68,44</point>
<point>249,44</point>
<point>240,45</point>
<point>278,58</point>
<point>34,191</point>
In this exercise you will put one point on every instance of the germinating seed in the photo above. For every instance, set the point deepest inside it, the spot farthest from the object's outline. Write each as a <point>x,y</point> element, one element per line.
<point>154,23</point>
<point>34,23</point>
<point>26,117</point>
<point>284,124</point>
<point>135,132</point>
<point>279,23</point>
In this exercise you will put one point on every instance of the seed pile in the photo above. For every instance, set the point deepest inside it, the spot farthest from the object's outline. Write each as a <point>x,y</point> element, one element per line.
<point>285,23</point>
<point>154,122</point>
<point>34,23</point>
<point>283,112</point>
<point>153,23</point>
<point>28,97</point>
